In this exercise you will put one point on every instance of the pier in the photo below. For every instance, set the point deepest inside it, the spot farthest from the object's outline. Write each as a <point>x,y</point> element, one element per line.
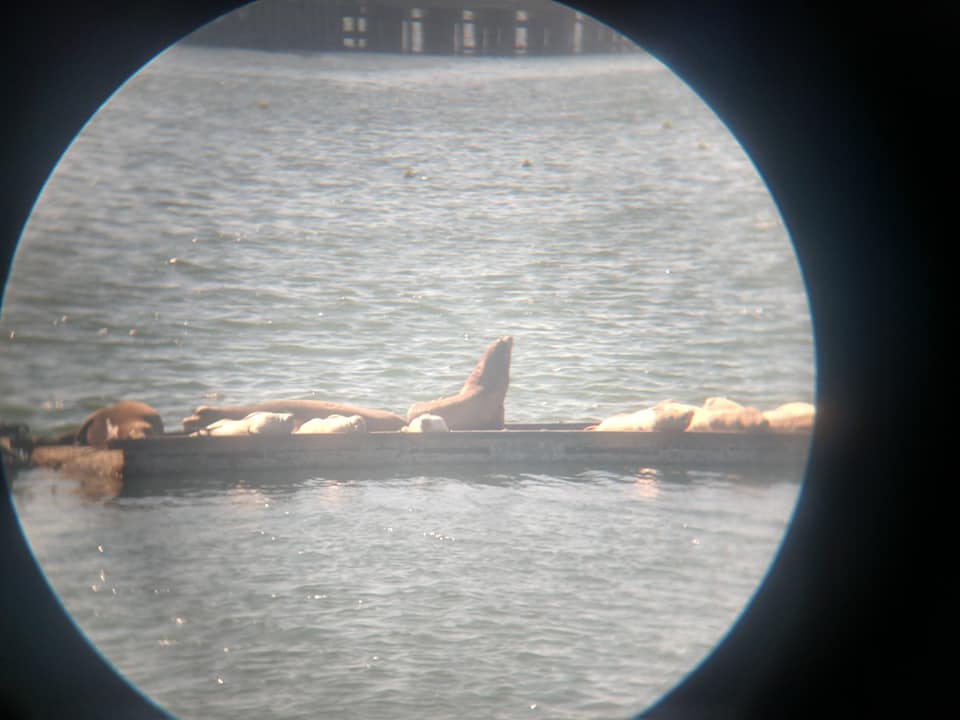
<point>438,27</point>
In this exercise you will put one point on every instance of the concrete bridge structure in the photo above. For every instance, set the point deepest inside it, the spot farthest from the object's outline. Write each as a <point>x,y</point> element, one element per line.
<point>462,27</point>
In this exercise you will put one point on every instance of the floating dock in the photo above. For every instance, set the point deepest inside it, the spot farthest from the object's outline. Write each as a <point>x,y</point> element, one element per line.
<point>530,447</point>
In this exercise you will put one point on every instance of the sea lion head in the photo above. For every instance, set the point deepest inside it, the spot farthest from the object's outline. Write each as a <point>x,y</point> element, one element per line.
<point>139,429</point>
<point>493,370</point>
<point>126,419</point>
<point>427,423</point>
<point>204,415</point>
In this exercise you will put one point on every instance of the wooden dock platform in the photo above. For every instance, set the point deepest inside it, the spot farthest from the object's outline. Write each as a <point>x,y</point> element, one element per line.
<point>531,446</point>
<point>157,462</point>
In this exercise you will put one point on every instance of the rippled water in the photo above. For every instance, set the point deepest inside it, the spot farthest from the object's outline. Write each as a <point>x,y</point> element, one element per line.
<point>243,226</point>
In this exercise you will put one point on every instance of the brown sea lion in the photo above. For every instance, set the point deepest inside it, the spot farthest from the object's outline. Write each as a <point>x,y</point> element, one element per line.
<point>302,411</point>
<point>127,419</point>
<point>479,404</point>
<point>793,417</point>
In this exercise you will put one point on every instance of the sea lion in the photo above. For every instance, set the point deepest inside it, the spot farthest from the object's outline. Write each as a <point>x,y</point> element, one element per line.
<point>332,424</point>
<point>127,419</point>
<point>427,423</point>
<point>793,417</point>
<point>720,403</point>
<point>479,404</point>
<point>728,419</point>
<point>222,428</point>
<point>257,423</point>
<point>302,411</point>
<point>665,416</point>
<point>269,423</point>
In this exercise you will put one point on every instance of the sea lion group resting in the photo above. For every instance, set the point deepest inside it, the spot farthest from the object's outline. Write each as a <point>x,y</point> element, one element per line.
<point>301,410</point>
<point>717,414</point>
<point>479,405</point>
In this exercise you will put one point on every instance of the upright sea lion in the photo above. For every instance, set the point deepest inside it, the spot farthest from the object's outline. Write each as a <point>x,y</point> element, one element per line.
<point>479,404</point>
<point>127,419</point>
<point>302,410</point>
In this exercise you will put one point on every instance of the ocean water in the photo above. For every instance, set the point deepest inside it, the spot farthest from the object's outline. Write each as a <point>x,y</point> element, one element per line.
<point>236,225</point>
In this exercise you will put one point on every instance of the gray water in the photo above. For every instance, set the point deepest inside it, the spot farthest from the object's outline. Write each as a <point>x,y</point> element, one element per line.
<point>237,226</point>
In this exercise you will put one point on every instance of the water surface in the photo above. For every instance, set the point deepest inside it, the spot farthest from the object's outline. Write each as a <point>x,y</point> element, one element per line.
<point>237,226</point>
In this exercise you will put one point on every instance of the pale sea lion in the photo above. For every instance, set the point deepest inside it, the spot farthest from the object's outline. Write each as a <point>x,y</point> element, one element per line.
<point>427,423</point>
<point>270,423</point>
<point>257,423</point>
<point>479,404</point>
<point>728,419</point>
<point>332,424</point>
<point>302,411</point>
<point>720,403</point>
<point>793,417</point>
<point>665,416</point>
<point>222,428</point>
<point>127,419</point>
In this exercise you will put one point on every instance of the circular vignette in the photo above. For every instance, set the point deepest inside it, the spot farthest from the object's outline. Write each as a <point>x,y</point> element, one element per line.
<point>824,106</point>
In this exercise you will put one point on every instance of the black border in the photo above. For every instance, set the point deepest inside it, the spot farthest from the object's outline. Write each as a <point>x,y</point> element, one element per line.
<point>844,114</point>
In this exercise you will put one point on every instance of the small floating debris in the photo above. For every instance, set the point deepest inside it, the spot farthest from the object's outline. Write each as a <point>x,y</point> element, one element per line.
<point>667,125</point>
<point>526,164</point>
<point>263,104</point>
<point>408,173</point>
